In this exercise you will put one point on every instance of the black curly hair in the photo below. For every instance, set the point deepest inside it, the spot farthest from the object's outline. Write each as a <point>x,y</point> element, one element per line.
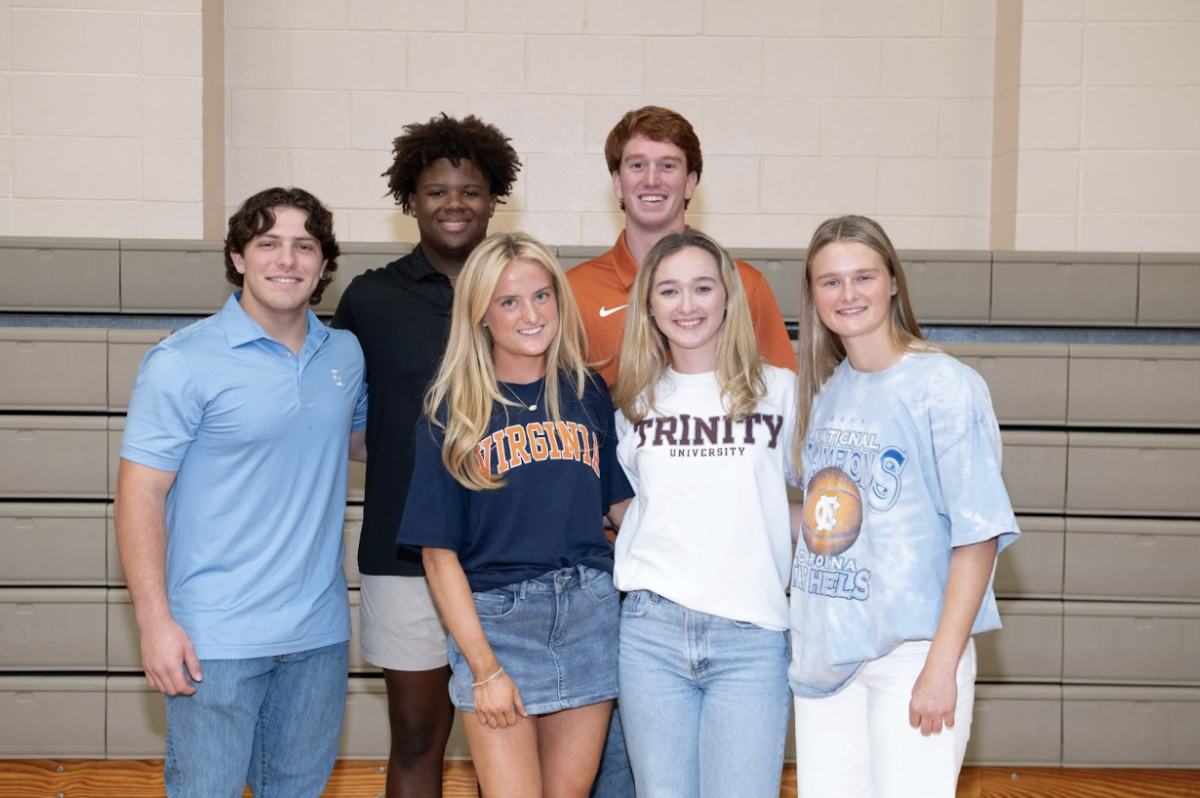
<point>443,136</point>
<point>255,217</point>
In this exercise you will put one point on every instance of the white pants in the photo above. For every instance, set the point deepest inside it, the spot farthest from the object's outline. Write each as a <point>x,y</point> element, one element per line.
<point>858,744</point>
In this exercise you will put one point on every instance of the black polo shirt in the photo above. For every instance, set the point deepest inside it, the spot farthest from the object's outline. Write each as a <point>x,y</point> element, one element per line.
<point>401,315</point>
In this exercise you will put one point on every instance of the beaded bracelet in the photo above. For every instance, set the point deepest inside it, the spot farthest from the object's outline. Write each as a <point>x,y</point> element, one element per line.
<point>488,680</point>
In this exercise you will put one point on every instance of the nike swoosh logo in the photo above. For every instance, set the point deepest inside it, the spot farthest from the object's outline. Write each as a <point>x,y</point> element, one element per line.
<point>606,312</point>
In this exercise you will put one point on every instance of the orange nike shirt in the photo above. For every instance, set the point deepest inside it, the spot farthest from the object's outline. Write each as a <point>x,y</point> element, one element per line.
<point>602,285</point>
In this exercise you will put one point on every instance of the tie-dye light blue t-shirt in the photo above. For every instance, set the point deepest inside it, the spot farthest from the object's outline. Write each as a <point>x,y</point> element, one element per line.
<point>900,466</point>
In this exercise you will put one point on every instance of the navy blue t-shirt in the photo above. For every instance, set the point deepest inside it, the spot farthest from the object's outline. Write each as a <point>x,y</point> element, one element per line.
<point>559,483</point>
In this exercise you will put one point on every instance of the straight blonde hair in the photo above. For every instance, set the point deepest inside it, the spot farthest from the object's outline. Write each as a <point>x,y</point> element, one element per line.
<point>821,350</point>
<point>461,398</point>
<point>645,352</point>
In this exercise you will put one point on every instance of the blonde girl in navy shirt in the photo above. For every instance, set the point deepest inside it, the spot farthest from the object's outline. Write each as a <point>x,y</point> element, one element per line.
<point>515,471</point>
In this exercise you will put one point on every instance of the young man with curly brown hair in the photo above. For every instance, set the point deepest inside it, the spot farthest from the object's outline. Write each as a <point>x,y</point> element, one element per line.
<point>449,174</point>
<point>229,513</point>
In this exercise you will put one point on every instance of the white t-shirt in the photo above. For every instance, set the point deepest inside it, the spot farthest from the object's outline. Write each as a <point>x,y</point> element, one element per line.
<point>709,528</point>
<point>900,466</point>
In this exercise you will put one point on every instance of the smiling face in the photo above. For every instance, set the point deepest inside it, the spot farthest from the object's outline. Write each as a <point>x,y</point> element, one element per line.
<point>522,318</point>
<point>687,300</point>
<point>452,205</point>
<point>654,184</point>
<point>280,268</point>
<point>852,290</point>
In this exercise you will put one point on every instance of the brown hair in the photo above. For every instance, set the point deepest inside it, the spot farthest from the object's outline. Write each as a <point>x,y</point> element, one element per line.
<point>256,217</point>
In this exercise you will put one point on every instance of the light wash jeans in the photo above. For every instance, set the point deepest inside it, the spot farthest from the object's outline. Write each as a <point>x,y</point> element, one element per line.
<point>704,701</point>
<point>270,722</point>
<point>864,728</point>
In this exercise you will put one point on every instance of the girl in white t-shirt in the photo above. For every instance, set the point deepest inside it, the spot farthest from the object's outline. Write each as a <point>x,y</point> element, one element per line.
<point>904,513</point>
<point>704,549</point>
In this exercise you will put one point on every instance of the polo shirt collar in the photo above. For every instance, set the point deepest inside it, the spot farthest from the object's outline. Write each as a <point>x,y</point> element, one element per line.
<point>419,267</point>
<point>241,329</point>
<point>627,267</point>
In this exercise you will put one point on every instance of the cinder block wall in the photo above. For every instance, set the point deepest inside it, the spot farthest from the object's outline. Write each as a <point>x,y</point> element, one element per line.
<point>961,124</point>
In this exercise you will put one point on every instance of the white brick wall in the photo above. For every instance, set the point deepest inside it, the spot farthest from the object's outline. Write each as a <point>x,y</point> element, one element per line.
<point>1109,139</point>
<point>100,118</point>
<point>1081,131</point>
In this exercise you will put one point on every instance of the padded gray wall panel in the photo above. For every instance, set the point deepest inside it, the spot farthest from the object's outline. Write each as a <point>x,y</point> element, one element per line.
<point>357,663</point>
<point>52,629</point>
<point>948,287</point>
<point>163,276</point>
<point>572,256</point>
<point>52,717</point>
<point>1168,286</point>
<point>116,431</point>
<point>1033,567</point>
<point>124,644</point>
<point>53,457</point>
<point>1131,643</point>
<point>1035,470</point>
<point>1132,559</point>
<point>126,349</point>
<point>52,544</point>
<point>69,275</point>
<point>1135,386</point>
<point>115,573</point>
<point>52,369</point>
<point>1016,725</point>
<point>351,531</point>
<point>1131,727</point>
<point>1126,474</point>
<point>1028,648</point>
<point>136,724</point>
<point>1028,382</point>
<point>783,269</point>
<point>1055,288</point>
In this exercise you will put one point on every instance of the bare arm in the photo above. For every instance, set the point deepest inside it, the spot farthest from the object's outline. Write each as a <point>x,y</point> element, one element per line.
<point>936,691</point>
<point>796,518</point>
<point>616,514</point>
<point>499,703</point>
<point>141,518</point>
<point>358,446</point>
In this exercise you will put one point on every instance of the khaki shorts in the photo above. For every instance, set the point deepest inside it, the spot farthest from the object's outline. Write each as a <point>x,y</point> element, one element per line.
<point>400,626</point>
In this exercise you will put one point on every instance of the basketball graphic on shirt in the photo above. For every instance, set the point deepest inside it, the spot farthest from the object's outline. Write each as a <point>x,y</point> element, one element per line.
<point>832,512</point>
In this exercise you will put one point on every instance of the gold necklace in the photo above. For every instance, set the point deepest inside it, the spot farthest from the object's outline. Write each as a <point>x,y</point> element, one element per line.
<point>537,399</point>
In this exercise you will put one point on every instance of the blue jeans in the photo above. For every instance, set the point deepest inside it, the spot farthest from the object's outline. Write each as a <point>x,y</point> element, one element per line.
<point>270,722</point>
<point>704,701</point>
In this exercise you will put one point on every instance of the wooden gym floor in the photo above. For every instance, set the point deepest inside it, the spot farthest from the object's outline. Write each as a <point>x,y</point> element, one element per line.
<point>71,778</point>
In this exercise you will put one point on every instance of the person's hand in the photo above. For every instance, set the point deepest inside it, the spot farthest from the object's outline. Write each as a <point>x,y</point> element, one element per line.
<point>934,697</point>
<point>168,658</point>
<point>498,704</point>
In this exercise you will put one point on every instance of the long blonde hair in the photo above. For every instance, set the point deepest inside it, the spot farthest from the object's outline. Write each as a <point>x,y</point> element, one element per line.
<point>466,381</point>
<point>821,350</point>
<point>645,352</point>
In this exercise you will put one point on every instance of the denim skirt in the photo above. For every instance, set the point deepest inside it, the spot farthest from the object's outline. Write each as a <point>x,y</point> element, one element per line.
<point>555,635</point>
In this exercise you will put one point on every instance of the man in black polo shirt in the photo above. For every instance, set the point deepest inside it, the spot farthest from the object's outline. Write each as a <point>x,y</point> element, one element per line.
<point>449,174</point>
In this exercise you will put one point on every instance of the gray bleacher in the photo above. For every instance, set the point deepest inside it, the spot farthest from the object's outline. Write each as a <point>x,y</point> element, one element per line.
<point>1093,361</point>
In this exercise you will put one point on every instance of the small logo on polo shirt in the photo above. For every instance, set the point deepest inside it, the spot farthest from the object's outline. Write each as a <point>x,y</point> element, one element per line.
<point>337,377</point>
<point>606,312</point>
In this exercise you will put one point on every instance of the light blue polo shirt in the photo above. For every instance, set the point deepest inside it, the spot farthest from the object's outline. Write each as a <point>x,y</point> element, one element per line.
<point>259,439</point>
